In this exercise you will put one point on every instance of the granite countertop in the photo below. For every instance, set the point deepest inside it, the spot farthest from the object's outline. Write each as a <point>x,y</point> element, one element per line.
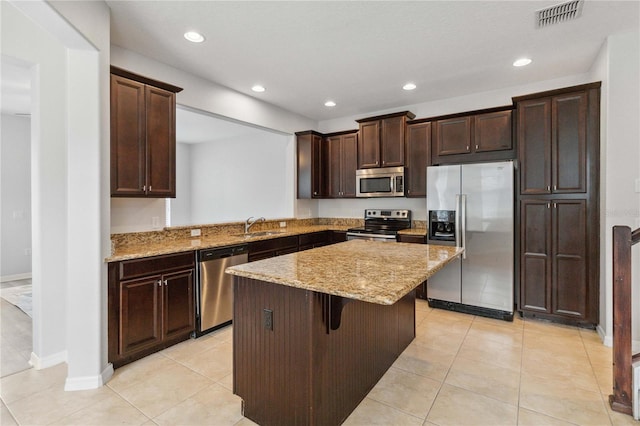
<point>136,249</point>
<point>370,271</point>
<point>169,246</point>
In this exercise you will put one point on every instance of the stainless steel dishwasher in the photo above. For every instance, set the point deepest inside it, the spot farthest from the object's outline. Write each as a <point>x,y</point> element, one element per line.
<point>214,295</point>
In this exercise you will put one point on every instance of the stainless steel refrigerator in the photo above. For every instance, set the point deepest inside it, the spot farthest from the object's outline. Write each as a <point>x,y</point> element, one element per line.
<point>472,206</point>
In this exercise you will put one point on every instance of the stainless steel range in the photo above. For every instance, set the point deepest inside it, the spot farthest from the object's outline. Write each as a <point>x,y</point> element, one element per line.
<point>381,225</point>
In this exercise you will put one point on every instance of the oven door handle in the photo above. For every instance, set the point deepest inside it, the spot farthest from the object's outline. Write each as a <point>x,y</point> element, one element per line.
<point>363,236</point>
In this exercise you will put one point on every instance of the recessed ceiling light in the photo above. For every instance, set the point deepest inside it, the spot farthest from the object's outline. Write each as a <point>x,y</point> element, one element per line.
<point>409,86</point>
<point>194,37</point>
<point>258,88</point>
<point>329,104</point>
<point>522,62</point>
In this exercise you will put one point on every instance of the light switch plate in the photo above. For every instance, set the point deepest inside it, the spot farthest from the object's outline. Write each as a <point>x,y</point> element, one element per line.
<point>638,185</point>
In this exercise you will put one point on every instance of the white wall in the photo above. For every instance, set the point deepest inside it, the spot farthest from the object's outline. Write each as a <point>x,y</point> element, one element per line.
<point>137,214</point>
<point>70,135</point>
<point>207,96</point>
<point>618,65</point>
<point>496,98</point>
<point>47,59</point>
<point>15,154</point>
<point>231,180</point>
<point>180,207</point>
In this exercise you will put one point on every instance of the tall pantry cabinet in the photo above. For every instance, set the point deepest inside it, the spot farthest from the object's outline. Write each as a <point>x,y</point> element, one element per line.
<point>558,135</point>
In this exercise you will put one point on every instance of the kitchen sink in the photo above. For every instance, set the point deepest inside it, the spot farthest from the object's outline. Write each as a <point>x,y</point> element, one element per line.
<point>259,234</point>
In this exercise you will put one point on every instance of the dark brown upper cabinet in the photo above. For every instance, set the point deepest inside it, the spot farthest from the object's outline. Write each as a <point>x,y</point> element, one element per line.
<point>418,158</point>
<point>382,139</point>
<point>471,137</point>
<point>343,153</point>
<point>552,144</point>
<point>311,156</point>
<point>143,136</point>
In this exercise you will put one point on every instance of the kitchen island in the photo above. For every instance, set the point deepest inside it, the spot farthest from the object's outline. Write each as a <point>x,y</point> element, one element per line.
<point>315,330</point>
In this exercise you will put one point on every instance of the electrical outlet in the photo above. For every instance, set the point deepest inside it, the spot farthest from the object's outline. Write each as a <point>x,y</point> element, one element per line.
<point>27,252</point>
<point>195,232</point>
<point>283,224</point>
<point>267,317</point>
<point>155,221</point>
<point>637,185</point>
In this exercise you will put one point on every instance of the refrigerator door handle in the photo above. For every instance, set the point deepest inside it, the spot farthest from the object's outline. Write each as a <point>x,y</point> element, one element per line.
<point>457,222</point>
<point>463,222</point>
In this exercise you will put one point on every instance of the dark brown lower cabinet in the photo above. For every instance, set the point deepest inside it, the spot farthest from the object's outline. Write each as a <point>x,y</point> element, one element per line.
<point>265,249</point>
<point>151,305</point>
<point>555,279</point>
<point>337,237</point>
<point>313,240</point>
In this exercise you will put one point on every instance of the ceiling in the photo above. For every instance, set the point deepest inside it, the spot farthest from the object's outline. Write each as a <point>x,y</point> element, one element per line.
<point>359,53</point>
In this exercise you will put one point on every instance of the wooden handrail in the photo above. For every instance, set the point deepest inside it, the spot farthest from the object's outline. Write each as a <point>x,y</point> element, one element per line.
<point>623,240</point>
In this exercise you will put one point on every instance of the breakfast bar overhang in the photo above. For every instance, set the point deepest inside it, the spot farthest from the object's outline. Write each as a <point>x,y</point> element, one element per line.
<point>314,331</point>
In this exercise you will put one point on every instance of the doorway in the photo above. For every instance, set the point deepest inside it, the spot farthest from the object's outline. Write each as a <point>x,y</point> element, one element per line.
<point>16,325</point>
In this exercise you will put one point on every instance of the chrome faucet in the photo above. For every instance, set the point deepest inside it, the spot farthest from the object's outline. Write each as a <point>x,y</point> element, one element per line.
<point>249,223</point>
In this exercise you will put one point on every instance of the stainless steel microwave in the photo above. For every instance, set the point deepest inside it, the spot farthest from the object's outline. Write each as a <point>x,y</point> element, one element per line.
<point>382,182</point>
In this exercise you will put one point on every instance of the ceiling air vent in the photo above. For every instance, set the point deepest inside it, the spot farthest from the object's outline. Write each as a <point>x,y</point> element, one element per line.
<point>559,13</point>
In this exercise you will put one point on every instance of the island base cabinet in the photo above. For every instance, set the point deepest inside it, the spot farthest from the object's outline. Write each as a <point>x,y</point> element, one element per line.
<point>308,358</point>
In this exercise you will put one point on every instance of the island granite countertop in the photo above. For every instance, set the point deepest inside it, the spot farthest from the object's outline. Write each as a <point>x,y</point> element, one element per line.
<point>370,271</point>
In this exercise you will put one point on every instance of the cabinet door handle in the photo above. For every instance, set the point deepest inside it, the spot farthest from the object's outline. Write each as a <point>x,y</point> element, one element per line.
<point>548,205</point>
<point>165,283</point>
<point>476,147</point>
<point>548,188</point>
<point>159,283</point>
<point>555,187</point>
<point>149,187</point>
<point>144,188</point>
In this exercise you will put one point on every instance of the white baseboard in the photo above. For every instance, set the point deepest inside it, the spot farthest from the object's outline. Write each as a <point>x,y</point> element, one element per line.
<point>606,340</point>
<point>89,382</point>
<point>16,277</point>
<point>49,361</point>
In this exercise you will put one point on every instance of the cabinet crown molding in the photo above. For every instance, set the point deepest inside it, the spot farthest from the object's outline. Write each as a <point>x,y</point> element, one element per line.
<point>409,115</point>
<point>146,80</point>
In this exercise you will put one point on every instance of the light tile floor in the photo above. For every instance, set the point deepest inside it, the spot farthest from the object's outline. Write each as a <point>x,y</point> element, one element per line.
<point>460,370</point>
<point>15,335</point>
